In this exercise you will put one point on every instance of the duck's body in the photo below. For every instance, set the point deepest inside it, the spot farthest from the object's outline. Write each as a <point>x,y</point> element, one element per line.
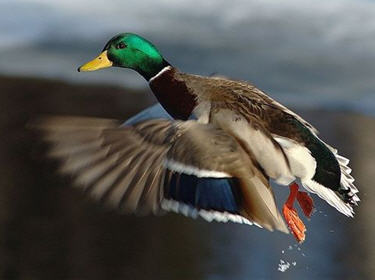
<point>286,146</point>
<point>218,165</point>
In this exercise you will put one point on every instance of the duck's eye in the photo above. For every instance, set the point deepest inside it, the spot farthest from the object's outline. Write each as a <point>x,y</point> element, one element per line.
<point>121,45</point>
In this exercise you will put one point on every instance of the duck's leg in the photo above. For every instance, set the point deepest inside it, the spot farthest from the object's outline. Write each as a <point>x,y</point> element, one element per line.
<point>291,216</point>
<point>306,203</point>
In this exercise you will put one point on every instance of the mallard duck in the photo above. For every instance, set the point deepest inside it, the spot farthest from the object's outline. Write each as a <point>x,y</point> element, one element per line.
<point>212,154</point>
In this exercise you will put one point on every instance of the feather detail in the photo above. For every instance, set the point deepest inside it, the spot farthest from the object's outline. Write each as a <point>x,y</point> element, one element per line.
<point>330,196</point>
<point>208,215</point>
<point>346,179</point>
<point>191,170</point>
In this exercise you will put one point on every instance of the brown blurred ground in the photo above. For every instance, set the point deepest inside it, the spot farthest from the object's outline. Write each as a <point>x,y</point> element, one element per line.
<point>51,231</point>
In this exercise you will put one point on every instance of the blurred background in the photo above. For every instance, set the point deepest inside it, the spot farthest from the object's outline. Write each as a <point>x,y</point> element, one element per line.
<point>317,57</point>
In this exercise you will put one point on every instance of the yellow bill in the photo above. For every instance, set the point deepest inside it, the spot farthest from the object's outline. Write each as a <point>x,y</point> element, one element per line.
<point>100,62</point>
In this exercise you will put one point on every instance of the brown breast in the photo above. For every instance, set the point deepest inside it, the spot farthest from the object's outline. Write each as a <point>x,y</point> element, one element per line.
<point>173,94</point>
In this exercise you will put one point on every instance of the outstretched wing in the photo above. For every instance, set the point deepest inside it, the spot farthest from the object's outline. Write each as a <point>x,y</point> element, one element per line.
<point>138,168</point>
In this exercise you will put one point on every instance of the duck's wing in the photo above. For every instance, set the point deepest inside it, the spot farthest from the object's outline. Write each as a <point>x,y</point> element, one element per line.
<point>138,168</point>
<point>155,111</point>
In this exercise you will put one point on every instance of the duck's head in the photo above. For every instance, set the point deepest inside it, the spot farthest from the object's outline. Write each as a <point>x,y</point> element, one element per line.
<point>129,50</point>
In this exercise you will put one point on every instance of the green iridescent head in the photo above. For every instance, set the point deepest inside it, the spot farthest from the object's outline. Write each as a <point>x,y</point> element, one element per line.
<point>129,50</point>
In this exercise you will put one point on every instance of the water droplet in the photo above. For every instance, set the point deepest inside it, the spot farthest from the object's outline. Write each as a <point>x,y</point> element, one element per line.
<point>283,266</point>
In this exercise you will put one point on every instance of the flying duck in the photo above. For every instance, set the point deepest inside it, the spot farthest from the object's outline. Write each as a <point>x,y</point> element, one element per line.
<point>211,153</point>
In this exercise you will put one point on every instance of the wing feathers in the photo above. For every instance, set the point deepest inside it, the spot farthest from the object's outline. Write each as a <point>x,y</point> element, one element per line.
<point>131,167</point>
<point>260,205</point>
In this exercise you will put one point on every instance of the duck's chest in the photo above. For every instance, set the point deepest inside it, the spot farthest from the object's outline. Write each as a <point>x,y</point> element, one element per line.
<point>173,94</point>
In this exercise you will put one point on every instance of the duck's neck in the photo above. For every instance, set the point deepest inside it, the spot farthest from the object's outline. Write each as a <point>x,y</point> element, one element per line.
<point>150,68</point>
<point>172,93</point>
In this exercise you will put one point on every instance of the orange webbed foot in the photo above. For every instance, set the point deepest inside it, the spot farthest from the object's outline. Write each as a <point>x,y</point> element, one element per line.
<point>295,224</point>
<point>291,216</point>
<point>306,203</point>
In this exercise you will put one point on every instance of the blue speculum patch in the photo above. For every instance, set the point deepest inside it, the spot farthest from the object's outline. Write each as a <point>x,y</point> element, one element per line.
<point>203,193</point>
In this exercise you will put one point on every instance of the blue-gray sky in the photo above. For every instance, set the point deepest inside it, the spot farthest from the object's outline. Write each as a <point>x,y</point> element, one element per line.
<point>302,52</point>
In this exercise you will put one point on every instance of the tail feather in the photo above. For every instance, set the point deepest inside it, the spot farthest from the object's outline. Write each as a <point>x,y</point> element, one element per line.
<point>330,196</point>
<point>342,201</point>
<point>346,179</point>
